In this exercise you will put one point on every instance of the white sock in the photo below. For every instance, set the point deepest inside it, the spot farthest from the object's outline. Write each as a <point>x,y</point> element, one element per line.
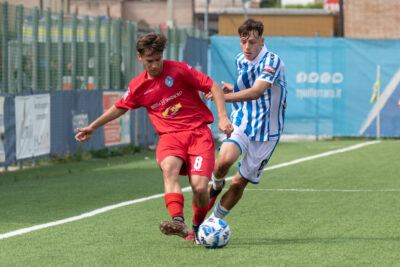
<point>219,211</point>
<point>217,182</point>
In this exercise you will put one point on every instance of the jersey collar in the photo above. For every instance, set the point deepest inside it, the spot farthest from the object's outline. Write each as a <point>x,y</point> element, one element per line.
<point>258,57</point>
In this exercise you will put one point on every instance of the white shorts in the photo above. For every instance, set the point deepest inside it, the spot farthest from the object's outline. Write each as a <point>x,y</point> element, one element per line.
<point>256,155</point>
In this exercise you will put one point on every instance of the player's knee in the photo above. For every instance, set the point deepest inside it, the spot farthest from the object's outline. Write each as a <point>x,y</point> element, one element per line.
<point>222,166</point>
<point>199,189</point>
<point>168,169</point>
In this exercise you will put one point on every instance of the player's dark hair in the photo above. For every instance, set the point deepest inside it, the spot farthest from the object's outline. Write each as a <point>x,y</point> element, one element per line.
<point>154,42</point>
<point>251,25</point>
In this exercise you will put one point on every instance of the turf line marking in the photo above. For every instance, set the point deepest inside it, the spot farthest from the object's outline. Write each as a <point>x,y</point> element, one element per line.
<point>325,154</point>
<point>186,189</point>
<point>321,190</point>
<point>76,218</point>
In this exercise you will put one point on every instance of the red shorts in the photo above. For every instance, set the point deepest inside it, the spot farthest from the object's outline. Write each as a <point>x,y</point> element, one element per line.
<point>196,148</point>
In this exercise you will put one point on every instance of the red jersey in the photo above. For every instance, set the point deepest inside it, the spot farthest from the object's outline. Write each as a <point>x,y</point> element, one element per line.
<point>172,99</point>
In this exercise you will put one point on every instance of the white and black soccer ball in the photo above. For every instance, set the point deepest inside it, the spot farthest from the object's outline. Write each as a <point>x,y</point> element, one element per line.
<point>214,233</point>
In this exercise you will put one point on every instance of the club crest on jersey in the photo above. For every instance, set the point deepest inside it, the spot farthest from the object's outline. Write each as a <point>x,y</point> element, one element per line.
<point>171,111</point>
<point>169,81</point>
<point>268,70</point>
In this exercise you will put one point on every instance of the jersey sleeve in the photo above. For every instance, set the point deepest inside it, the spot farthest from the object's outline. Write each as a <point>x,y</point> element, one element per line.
<point>198,80</point>
<point>128,101</point>
<point>237,61</point>
<point>270,68</point>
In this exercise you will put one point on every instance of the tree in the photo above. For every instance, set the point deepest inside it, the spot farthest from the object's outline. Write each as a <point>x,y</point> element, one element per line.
<point>270,3</point>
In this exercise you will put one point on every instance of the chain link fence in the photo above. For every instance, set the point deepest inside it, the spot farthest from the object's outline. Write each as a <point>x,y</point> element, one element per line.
<point>44,50</point>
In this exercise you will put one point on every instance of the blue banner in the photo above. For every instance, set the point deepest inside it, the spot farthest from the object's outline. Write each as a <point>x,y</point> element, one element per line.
<point>145,134</point>
<point>71,110</point>
<point>329,82</point>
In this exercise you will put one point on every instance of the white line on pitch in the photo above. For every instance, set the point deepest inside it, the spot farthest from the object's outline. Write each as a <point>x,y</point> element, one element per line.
<point>76,218</point>
<point>126,203</point>
<point>321,190</point>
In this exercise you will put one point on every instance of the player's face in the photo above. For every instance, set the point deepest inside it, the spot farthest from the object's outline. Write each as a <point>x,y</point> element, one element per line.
<point>251,45</point>
<point>152,63</point>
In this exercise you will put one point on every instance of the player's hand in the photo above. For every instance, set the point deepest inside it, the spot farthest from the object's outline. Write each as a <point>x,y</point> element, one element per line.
<point>84,134</point>
<point>225,126</point>
<point>227,87</point>
<point>208,96</point>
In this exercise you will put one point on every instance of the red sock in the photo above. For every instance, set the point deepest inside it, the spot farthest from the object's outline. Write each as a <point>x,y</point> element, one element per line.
<point>199,214</point>
<point>174,203</point>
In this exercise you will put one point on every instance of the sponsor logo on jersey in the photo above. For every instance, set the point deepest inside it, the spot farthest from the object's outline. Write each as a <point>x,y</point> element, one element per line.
<point>166,100</point>
<point>189,67</point>
<point>268,70</point>
<point>169,81</point>
<point>172,111</point>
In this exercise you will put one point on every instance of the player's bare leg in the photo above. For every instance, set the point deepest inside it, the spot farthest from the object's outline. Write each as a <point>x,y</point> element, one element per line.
<point>234,193</point>
<point>170,167</point>
<point>231,197</point>
<point>199,187</point>
<point>228,155</point>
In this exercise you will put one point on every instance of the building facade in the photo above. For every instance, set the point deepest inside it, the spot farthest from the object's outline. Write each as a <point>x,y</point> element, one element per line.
<point>371,19</point>
<point>283,22</point>
<point>54,5</point>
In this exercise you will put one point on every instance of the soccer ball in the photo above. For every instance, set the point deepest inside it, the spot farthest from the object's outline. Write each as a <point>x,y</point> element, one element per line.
<point>214,233</point>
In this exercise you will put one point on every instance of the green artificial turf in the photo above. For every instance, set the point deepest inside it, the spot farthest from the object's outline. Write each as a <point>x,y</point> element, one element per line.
<point>339,210</point>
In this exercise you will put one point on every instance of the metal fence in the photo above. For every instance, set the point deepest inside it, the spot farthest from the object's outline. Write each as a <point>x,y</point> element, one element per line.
<point>44,50</point>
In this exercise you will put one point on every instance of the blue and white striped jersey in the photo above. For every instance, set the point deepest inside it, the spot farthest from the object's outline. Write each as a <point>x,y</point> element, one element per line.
<point>261,119</point>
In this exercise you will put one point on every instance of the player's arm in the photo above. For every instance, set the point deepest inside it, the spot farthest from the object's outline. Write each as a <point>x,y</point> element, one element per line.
<point>224,124</point>
<point>111,114</point>
<point>226,89</point>
<point>252,93</point>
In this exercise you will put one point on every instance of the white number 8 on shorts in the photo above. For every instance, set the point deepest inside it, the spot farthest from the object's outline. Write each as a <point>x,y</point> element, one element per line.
<point>197,163</point>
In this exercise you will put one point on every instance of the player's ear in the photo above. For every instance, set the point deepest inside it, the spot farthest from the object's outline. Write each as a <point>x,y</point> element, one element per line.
<point>139,57</point>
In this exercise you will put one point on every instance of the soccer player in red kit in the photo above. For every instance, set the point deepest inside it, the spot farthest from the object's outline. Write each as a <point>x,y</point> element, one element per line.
<point>169,91</point>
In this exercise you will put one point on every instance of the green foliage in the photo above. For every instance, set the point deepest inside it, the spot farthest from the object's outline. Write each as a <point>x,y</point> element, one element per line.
<point>68,157</point>
<point>269,3</point>
<point>117,151</point>
<point>276,4</point>
<point>310,5</point>
<point>105,153</point>
<point>101,154</point>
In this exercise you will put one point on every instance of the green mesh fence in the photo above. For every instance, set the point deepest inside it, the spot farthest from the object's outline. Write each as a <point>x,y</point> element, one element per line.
<point>44,50</point>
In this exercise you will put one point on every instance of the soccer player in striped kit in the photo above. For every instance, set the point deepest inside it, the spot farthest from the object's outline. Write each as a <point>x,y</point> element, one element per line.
<point>259,102</point>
